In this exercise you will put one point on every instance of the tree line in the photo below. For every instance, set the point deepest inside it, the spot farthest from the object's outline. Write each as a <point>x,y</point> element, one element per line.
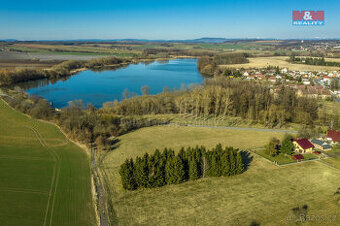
<point>227,97</point>
<point>313,61</point>
<point>192,163</point>
<point>168,52</point>
<point>81,122</point>
<point>64,69</point>
<point>209,65</point>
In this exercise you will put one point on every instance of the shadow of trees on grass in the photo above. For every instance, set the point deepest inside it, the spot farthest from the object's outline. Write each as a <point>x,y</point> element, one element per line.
<point>246,158</point>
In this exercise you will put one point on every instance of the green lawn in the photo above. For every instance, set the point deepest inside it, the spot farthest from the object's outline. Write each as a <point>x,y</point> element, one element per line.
<point>265,193</point>
<point>45,179</point>
<point>335,157</point>
<point>280,159</point>
<point>309,156</point>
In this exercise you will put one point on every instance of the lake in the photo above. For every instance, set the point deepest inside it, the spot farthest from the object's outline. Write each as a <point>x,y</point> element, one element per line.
<point>96,88</point>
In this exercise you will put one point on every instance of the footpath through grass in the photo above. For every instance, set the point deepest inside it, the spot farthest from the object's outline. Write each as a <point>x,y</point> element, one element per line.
<point>45,179</point>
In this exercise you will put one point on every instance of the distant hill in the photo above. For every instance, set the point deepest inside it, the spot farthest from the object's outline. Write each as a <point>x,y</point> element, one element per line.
<point>8,40</point>
<point>207,40</point>
<point>199,40</point>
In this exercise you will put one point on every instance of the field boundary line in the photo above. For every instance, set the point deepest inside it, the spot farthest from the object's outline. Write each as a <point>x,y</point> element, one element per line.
<point>234,128</point>
<point>55,177</point>
<point>24,191</point>
<point>55,190</point>
<point>24,158</point>
<point>329,165</point>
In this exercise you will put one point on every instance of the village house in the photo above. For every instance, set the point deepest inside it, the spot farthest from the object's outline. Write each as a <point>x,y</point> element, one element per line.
<point>333,136</point>
<point>327,80</point>
<point>284,70</point>
<point>312,91</point>
<point>303,145</point>
<point>272,79</point>
<point>321,145</point>
<point>305,81</point>
<point>278,77</point>
<point>250,77</point>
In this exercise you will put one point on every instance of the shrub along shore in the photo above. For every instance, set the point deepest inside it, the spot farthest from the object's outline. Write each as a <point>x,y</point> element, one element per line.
<point>64,69</point>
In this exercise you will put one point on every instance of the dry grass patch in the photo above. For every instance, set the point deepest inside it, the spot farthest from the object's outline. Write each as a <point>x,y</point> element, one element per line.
<point>281,61</point>
<point>265,193</point>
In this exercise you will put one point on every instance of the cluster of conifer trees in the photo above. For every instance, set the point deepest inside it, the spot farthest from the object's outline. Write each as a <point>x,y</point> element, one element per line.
<point>162,168</point>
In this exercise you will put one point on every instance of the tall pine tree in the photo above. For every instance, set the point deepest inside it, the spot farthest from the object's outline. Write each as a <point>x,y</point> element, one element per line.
<point>179,173</point>
<point>239,163</point>
<point>127,174</point>
<point>170,177</point>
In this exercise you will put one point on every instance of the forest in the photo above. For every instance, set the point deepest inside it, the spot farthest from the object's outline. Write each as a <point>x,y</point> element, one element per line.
<point>192,163</point>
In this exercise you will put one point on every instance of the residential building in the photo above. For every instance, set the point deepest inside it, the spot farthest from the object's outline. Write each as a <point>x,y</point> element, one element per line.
<point>303,145</point>
<point>321,145</point>
<point>333,136</point>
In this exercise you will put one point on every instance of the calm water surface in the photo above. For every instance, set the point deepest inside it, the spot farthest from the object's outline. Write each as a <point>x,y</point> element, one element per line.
<point>97,88</point>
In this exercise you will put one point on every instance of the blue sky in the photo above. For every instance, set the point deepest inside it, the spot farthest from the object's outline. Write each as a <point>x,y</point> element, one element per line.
<point>162,19</point>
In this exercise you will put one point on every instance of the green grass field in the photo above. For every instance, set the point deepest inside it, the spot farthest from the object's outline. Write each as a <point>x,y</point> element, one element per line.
<point>265,193</point>
<point>45,179</point>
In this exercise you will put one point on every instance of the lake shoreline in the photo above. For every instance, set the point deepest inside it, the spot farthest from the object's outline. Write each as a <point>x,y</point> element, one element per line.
<point>107,83</point>
<point>134,61</point>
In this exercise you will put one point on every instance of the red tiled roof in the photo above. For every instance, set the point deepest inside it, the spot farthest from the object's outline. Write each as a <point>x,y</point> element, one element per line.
<point>335,135</point>
<point>304,143</point>
<point>298,157</point>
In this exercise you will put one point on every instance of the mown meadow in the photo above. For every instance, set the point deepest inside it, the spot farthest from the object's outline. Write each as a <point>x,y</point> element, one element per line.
<point>263,194</point>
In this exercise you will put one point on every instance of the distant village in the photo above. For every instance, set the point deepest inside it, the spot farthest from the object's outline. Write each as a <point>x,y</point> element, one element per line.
<point>307,83</point>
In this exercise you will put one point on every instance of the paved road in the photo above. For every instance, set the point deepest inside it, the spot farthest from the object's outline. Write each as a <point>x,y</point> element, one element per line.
<point>237,128</point>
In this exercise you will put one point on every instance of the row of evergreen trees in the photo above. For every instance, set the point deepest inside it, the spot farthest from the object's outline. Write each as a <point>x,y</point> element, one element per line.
<point>164,168</point>
<point>313,61</point>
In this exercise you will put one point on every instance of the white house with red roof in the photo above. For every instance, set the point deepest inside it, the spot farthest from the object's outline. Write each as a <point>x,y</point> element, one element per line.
<point>303,145</point>
<point>333,136</point>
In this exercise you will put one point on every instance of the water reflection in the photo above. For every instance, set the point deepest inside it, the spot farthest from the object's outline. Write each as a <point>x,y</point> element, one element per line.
<point>107,84</point>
